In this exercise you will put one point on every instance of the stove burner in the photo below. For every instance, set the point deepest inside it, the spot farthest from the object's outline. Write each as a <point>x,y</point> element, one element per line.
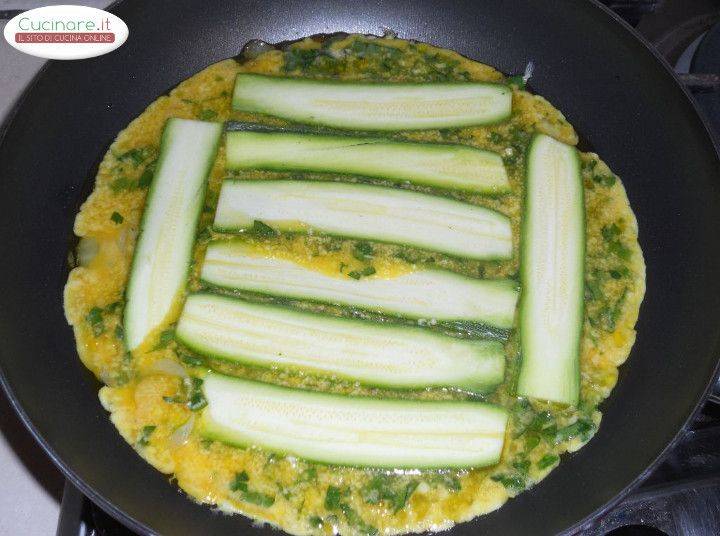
<point>707,60</point>
<point>682,496</point>
<point>636,530</point>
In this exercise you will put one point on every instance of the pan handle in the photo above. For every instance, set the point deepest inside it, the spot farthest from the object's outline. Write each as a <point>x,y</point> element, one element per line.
<point>71,521</point>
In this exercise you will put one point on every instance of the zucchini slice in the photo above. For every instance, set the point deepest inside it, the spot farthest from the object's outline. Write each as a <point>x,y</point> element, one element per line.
<point>425,294</point>
<point>366,212</point>
<point>352,431</point>
<point>432,164</point>
<point>267,335</point>
<point>552,271</point>
<point>373,106</point>
<point>167,231</point>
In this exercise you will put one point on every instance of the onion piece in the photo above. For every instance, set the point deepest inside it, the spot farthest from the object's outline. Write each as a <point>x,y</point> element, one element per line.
<point>124,237</point>
<point>182,433</point>
<point>254,48</point>
<point>87,249</point>
<point>170,367</point>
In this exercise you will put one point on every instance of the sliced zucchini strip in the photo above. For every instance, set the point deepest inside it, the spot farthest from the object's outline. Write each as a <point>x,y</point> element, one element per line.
<point>432,164</point>
<point>352,431</point>
<point>552,273</point>
<point>373,106</point>
<point>376,354</point>
<point>424,294</point>
<point>367,212</point>
<point>167,231</point>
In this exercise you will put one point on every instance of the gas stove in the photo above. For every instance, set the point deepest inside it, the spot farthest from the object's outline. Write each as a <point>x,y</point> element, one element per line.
<point>682,495</point>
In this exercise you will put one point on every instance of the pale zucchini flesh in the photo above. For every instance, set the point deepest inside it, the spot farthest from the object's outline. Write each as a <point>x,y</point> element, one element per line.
<point>352,431</point>
<point>456,167</point>
<point>268,335</point>
<point>373,106</point>
<point>552,273</point>
<point>164,249</point>
<point>366,212</point>
<point>423,294</point>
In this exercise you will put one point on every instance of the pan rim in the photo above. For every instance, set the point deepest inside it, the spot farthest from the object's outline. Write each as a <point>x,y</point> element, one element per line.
<point>139,527</point>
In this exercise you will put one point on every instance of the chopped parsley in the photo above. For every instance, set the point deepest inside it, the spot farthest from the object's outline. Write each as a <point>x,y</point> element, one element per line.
<point>334,502</point>
<point>147,176</point>
<point>195,398</point>
<point>117,218</point>
<point>122,183</point>
<point>300,59</point>
<point>166,337</point>
<point>611,235</point>
<point>358,274</point>
<point>450,482</point>
<point>240,482</point>
<point>387,489</point>
<point>404,498</point>
<point>589,165</point>
<point>262,230</point>
<point>204,234</point>
<point>582,428</point>
<point>95,319</point>
<point>522,466</point>
<point>309,474</point>
<point>363,251</point>
<point>192,360</point>
<point>606,313</point>
<point>354,520</point>
<point>619,272</point>
<point>372,61</point>
<point>333,496</point>
<point>495,137</point>
<point>316,521</point>
<point>609,314</point>
<point>259,499</point>
<point>547,460</point>
<point>113,307</point>
<point>532,440</point>
<point>207,115</point>
<point>145,433</point>
<point>592,289</point>
<point>511,482</point>
<point>137,155</point>
<point>605,180</point>
<point>517,80</point>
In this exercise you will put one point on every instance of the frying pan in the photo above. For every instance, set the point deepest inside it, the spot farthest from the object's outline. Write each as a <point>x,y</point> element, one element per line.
<point>619,95</point>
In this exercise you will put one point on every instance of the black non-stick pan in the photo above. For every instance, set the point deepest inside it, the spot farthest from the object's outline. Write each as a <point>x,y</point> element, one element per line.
<point>619,95</point>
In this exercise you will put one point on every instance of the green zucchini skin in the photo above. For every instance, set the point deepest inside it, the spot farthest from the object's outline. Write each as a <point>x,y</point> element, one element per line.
<point>292,128</point>
<point>552,272</point>
<point>373,106</point>
<point>366,212</point>
<point>455,167</point>
<point>162,256</point>
<point>352,431</point>
<point>437,295</point>
<point>402,357</point>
